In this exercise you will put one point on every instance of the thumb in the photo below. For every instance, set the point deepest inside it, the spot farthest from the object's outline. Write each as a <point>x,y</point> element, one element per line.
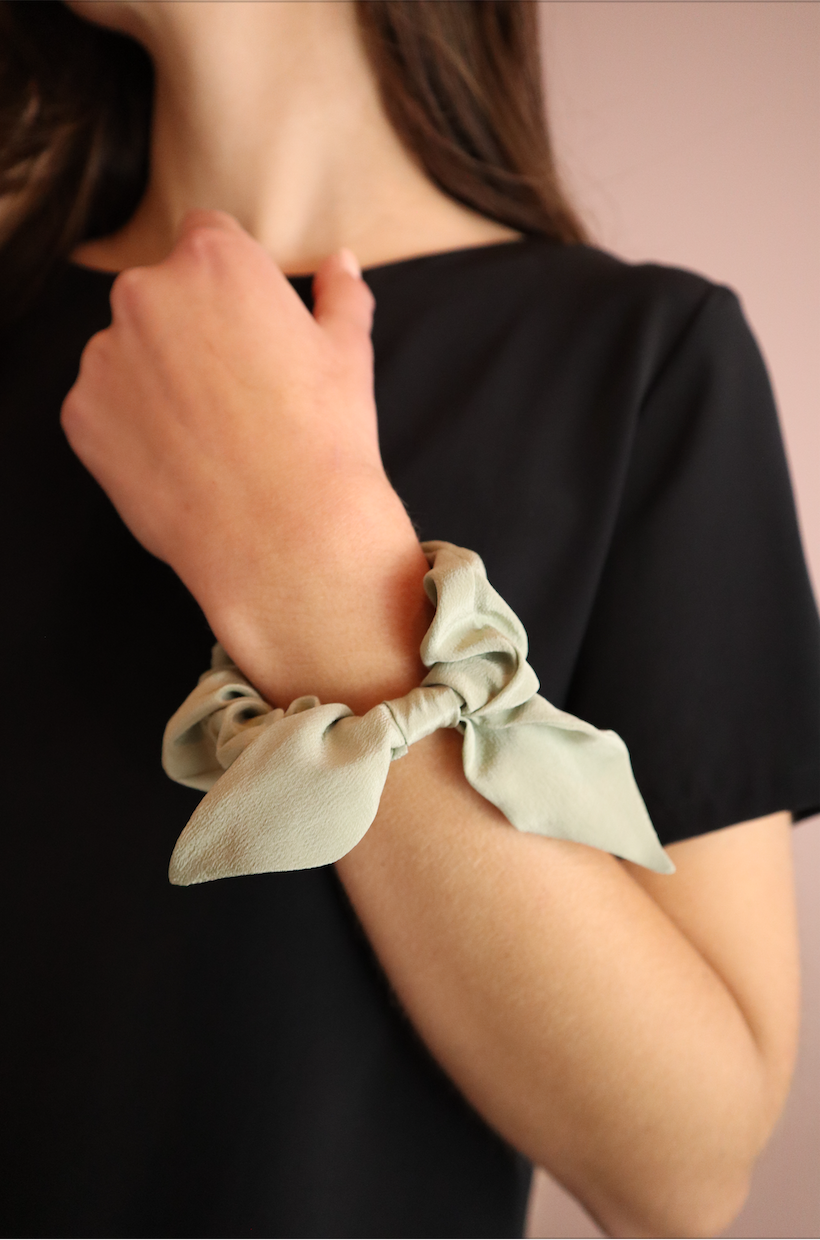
<point>342,303</point>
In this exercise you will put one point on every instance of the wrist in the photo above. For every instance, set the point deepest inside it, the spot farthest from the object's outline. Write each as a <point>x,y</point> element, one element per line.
<point>347,629</point>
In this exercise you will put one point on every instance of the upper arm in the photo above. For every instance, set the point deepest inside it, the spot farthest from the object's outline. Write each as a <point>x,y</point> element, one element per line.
<point>733,898</point>
<point>701,649</point>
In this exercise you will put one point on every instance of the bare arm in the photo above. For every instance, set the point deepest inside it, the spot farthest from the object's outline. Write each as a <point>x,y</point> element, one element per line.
<point>635,1034</point>
<point>632,1033</point>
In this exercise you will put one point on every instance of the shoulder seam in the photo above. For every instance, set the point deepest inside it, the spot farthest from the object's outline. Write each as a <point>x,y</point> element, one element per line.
<point>713,292</point>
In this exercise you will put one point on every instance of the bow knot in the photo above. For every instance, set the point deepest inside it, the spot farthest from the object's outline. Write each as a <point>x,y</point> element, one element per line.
<point>297,788</point>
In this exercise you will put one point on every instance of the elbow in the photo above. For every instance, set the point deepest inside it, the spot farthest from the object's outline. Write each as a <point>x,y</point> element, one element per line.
<point>698,1189</point>
<point>699,1197</point>
<point>720,1212</point>
<point>703,1209</point>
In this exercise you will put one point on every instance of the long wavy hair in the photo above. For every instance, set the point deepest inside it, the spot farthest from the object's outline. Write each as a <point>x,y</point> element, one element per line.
<point>460,81</point>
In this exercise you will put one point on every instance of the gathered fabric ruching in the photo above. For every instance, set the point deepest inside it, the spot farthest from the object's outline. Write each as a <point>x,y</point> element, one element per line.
<point>298,788</point>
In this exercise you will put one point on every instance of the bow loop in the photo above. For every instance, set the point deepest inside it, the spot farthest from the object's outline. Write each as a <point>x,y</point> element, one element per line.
<point>296,788</point>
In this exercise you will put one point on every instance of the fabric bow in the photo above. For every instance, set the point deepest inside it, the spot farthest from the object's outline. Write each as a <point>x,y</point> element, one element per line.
<point>297,788</point>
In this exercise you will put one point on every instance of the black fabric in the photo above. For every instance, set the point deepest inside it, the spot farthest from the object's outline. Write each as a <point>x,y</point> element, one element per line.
<point>227,1060</point>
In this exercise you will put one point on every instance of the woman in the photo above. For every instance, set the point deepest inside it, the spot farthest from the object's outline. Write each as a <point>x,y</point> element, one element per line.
<point>231,1059</point>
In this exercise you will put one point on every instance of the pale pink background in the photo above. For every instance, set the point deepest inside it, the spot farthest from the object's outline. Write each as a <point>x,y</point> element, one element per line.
<point>690,135</point>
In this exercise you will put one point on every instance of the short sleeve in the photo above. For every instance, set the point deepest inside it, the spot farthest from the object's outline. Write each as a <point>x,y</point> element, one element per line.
<point>703,649</point>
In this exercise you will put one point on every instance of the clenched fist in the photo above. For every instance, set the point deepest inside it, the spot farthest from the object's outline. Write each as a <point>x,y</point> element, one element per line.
<point>236,435</point>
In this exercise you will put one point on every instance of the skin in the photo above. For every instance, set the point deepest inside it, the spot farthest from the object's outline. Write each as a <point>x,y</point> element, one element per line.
<point>633,1033</point>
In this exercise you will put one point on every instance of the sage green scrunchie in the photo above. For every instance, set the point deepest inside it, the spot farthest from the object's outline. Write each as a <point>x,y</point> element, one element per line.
<point>297,788</point>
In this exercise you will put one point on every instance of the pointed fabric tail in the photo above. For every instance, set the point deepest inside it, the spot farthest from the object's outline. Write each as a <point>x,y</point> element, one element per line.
<point>295,789</point>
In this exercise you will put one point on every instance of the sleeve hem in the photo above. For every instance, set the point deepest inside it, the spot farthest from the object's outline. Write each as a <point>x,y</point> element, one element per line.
<point>800,803</point>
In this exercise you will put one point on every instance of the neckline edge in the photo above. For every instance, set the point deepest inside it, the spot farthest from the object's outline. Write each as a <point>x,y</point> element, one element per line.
<point>493,246</point>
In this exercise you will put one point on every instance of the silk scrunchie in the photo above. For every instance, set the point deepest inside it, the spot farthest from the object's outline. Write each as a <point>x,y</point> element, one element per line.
<point>297,788</point>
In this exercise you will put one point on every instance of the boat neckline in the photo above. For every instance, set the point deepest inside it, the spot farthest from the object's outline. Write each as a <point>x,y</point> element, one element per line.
<point>410,260</point>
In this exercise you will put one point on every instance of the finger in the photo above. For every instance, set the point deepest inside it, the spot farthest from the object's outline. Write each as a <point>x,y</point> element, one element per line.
<point>199,217</point>
<point>203,234</point>
<point>216,242</point>
<point>342,303</point>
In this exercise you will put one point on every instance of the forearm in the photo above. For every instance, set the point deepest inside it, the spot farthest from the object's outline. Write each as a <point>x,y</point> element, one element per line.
<point>571,1011</point>
<point>568,1007</point>
<point>564,1003</point>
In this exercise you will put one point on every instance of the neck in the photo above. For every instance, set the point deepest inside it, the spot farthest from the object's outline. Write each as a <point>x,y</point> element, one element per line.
<point>271,112</point>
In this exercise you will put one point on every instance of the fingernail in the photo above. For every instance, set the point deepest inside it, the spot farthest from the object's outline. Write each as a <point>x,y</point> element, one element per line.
<point>350,263</point>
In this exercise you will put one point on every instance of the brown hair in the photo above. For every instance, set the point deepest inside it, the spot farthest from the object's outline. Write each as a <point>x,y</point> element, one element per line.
<point>461,84</point>
<point>460,81</point>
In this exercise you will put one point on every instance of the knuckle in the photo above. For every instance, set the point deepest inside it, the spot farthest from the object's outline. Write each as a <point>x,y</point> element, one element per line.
<point>93,361</point>
<point>204,242</point>
<point>128,291</point>
<point>68,412</point>
<point>72,419</point>
<point>94,355</point>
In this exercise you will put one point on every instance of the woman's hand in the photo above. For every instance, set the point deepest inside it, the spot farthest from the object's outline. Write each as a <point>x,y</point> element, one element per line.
<point>236,435</point>
<point>636,1042</point>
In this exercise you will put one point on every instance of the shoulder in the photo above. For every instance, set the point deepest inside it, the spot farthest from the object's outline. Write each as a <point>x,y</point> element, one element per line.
<point>575,304</point>
<point>649,304</point>
<point>543,268</point>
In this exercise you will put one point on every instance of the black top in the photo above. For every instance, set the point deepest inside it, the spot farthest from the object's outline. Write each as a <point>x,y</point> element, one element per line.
<point>226,1059</point>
